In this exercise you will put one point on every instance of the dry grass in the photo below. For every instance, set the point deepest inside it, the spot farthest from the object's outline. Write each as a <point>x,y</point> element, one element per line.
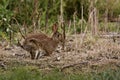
<point>94,54</point>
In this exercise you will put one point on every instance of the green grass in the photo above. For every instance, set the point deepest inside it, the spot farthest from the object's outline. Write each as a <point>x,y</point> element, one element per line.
<point>27,73</point>
<point>111,27</point>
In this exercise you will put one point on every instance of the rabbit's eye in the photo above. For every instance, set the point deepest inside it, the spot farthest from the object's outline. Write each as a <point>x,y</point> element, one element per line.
<point>58,35</point>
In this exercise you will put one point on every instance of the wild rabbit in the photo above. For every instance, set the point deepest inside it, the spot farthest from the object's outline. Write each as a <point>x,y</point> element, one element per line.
<point>40,44</point>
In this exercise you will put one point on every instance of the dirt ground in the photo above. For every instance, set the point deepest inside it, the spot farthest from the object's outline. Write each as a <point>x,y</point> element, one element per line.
<point>93,54</point>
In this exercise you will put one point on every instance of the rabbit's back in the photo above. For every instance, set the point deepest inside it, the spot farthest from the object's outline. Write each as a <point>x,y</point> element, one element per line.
<point>42,42</point>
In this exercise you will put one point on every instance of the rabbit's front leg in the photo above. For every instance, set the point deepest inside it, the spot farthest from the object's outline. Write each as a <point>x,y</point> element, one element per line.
<point>32,54</point>
<point>37,53</point>
<point>40,53</point>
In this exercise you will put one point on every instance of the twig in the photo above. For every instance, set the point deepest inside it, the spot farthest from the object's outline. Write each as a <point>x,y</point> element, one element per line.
<point>19,28</point>
<point>83,36</point>
<point>76,42</point>
<point>72,65</point>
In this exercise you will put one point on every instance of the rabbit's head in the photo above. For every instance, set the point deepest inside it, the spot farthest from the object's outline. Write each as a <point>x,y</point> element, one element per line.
<point>58,37</point>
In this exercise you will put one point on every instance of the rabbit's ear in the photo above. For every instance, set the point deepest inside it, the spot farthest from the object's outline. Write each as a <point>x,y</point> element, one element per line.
<point>54,27</point>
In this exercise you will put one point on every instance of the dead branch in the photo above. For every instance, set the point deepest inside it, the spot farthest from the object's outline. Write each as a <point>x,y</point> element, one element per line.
<point>110,36</point>
<point>19,28</point>
<point>72,65</point>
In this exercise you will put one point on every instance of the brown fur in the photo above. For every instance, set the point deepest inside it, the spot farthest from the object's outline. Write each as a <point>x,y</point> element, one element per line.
<point>36,43</point>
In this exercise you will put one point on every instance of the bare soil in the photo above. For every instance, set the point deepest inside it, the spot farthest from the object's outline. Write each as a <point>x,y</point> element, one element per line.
<point>93,54</point>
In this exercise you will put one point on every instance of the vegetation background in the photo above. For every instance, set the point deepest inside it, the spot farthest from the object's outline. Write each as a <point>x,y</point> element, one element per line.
<point>39,15</point>
<point>95,17</point>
